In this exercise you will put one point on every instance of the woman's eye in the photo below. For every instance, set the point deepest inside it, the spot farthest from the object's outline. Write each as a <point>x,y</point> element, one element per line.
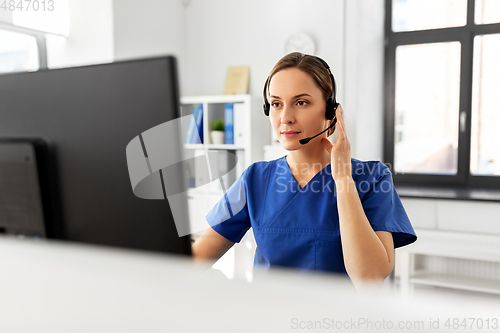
<point>275,104</point>
<point>302,103</point>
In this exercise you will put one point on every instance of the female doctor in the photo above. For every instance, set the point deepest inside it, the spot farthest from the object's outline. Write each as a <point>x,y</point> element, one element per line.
<point>315,208</point>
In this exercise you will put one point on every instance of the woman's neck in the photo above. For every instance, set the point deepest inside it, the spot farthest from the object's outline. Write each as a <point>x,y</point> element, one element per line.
<point>310,159</point>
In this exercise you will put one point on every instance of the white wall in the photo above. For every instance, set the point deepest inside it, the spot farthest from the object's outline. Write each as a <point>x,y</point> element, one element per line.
<point>209,36</point>
<point>222,33</point>
<point>5,16</point>
<point>364,77</point>
<point>150,28</point>
<point>90,38</point>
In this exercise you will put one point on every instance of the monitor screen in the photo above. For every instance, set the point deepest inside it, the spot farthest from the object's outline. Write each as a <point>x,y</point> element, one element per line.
<point>87,116</point>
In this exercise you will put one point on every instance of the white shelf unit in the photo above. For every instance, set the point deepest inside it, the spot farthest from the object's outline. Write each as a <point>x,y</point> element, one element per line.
<point>256,125</point>
<point>201,199</point>
<point>472,249</point>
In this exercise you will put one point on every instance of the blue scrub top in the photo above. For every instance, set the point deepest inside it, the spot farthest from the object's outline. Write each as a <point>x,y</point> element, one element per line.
<point>299,228</point>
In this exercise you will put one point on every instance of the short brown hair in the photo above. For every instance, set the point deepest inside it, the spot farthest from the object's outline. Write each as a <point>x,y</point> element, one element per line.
<point>310,65</point>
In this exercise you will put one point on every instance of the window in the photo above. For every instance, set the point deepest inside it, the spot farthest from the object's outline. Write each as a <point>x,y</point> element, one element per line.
<point>18,52</point>
<point>21,50</point>
<point>23,45</point>
<point>441,92</point>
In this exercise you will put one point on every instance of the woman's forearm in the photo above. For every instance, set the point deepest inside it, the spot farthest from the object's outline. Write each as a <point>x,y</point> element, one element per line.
<point>365,257</point>
<point>210,246</point>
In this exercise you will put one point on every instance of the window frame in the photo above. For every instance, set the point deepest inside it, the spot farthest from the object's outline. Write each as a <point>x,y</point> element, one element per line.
<point>41,41</point>
<point>465,36</point>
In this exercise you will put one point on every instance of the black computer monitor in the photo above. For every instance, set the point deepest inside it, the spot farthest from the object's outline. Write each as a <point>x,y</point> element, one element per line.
<point>87,116</point>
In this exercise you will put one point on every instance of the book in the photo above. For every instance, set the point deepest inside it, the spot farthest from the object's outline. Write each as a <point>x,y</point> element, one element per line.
<point>239,124</point>
<point>228,123</point>
<point>197,135</point>
<point>192,124</point>
<point>199,123</point>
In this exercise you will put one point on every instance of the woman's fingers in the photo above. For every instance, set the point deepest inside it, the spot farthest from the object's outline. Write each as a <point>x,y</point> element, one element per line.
<point>327,144</point>
<point>340,122</point>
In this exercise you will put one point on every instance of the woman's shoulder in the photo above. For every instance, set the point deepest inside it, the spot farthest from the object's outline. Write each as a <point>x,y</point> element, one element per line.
<point>259,168</point>
<point>264,165</point>
<point>367,170</point>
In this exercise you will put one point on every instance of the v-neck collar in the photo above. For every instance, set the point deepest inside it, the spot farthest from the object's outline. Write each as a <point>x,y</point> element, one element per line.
<point>293,177</point>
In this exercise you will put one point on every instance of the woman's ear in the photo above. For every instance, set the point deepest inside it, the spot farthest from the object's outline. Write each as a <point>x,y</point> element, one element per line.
<point>331,130</point>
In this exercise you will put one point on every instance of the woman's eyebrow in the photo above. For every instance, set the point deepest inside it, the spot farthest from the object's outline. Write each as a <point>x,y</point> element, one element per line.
<point>301,95</point>
<point>296,96</point>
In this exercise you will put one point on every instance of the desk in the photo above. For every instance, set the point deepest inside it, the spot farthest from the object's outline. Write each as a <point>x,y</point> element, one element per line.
<point>63,287</point>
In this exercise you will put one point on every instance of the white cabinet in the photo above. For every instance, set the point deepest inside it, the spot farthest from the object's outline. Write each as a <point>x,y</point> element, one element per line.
<point>458,246</point>
<point>450,259</point>
<point>206,187</point>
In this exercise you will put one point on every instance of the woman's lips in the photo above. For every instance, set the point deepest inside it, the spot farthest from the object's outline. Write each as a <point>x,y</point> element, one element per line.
<point>289,134</point>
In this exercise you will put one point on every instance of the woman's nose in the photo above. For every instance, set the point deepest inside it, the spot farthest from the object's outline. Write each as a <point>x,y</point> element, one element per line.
<point>287,115</point>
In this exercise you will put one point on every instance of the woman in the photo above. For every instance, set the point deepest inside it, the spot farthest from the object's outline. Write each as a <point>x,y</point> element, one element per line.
<point>315,208</point>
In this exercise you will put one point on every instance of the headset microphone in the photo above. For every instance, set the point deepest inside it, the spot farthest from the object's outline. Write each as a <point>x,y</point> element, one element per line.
<point>306,140</point>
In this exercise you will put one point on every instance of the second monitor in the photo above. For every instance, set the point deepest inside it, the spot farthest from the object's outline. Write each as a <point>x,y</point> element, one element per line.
<point>88,115</point>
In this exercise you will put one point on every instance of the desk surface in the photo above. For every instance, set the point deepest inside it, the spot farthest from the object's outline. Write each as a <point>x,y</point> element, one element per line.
<point>64,287</point>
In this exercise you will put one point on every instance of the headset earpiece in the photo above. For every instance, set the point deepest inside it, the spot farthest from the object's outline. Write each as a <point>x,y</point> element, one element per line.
<point>330,110</point>
<point>331,103</point>
<point>266,105</point>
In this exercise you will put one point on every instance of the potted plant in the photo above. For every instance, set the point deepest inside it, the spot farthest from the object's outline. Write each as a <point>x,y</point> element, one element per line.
<point>217,133</point>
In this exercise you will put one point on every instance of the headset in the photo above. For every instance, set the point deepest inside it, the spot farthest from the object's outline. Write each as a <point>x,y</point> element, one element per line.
<point>331,103</point>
